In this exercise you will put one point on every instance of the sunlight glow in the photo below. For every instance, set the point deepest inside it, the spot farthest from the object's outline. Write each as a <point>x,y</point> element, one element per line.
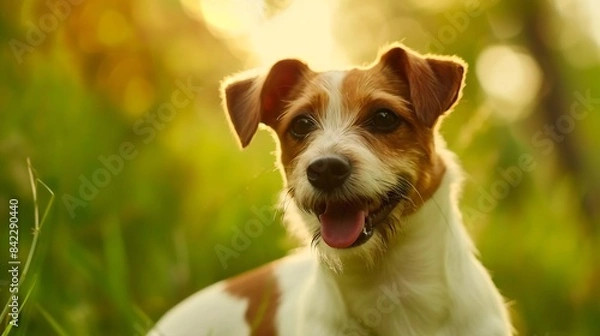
<point>302,30</point>
<point>231,18</point>
<point>305,30</point>
<point>592,8</point>
<point>510,76</point>
<point>584,14</point>
<point>433,5</point>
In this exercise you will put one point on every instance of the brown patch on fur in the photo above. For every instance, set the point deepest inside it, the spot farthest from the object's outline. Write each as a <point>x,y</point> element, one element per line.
<point>434,82</point>
<point>427,184</point>
<point>260,288</point>
<point>312,100</point>
<point>370,89</point>
<point>250,99</point>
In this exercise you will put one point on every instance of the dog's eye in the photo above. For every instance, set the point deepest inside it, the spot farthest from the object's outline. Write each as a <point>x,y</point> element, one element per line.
<point>301,126</point>
<point>384,120</point>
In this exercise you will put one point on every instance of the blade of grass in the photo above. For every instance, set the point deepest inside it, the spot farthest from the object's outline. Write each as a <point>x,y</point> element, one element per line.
<point>9,327</point>
<point>117,276</point>
<point>55,326</point>
<point>38,224</point>
<point>142,316</point>
<point>36,232</point>
<point>144,323</point>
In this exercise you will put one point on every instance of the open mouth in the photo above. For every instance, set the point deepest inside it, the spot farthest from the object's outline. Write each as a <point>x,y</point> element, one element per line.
<point>351,224</point>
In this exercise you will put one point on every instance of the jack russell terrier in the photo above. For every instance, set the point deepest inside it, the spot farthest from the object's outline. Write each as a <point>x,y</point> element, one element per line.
<point>370,185</point>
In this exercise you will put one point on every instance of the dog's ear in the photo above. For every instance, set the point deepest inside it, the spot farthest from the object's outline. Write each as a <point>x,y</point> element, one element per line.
<point>250,100</point>
<point>435,83</point>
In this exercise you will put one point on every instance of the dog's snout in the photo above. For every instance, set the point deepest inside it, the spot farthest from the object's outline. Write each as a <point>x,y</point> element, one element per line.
<point>328,173</point>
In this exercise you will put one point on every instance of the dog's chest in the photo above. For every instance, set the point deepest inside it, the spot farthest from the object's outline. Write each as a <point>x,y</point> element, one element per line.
<point>394,304</point>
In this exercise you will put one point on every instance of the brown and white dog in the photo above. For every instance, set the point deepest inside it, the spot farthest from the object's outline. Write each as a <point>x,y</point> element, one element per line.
<point>370,185</point>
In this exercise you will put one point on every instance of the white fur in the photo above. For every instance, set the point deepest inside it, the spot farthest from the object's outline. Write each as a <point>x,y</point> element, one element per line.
<point>196,315</point>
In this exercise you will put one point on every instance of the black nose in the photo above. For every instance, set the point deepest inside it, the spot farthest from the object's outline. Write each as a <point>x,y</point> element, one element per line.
<point>328,173</point>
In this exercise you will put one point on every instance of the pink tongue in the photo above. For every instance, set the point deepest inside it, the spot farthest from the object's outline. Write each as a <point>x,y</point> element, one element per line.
<point>341,225</point>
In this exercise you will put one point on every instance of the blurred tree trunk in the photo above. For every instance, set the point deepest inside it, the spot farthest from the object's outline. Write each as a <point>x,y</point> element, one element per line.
<point>554,102</point>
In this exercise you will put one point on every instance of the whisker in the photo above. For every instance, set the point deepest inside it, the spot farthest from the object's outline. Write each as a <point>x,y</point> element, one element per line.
<point>290,192</point>
<point>315,239</point>
<point>434,201</point>
<point>412,186</point>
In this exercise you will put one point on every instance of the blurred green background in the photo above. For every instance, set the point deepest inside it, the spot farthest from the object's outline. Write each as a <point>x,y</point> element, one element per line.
<point>116,104</point>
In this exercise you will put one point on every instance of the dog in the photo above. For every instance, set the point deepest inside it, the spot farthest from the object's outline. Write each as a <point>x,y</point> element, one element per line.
<point>371,190</point>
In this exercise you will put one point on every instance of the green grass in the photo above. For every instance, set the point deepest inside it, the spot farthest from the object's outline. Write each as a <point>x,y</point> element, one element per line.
<point>36,232</point>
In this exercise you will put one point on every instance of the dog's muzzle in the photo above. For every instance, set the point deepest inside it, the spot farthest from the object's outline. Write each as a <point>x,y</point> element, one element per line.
<point>349,221</point>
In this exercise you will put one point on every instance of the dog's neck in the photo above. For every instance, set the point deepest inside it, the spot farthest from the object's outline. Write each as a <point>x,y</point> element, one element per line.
<point>415,277</point>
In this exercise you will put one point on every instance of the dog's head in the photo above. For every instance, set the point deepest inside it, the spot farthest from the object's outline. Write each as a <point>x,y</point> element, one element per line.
<point>356,146</point>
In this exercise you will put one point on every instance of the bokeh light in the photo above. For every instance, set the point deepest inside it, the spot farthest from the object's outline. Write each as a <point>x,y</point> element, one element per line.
<point>304,30</point>
<point>510,76</point>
